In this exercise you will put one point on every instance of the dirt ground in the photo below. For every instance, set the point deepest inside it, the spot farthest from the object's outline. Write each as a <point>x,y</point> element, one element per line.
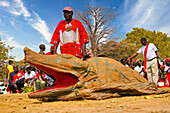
<point>20,103</point>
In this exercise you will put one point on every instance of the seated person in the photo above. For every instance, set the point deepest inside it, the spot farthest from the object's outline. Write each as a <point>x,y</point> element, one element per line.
<point>128,63</point>
<point>167,69</point>
<point>29,76</point>
<point>42,80</point>
<point>162,76</point>
<point>16,81</point>
<point>123,61</point>
<point>139,68</point>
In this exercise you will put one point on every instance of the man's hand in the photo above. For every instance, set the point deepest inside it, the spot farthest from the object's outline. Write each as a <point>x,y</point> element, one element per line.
<point>128,59</point>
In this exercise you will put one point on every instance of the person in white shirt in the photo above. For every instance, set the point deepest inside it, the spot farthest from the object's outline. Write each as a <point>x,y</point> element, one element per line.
<point>29,75</point>
<point>139,68</point>
<point>150,58</point>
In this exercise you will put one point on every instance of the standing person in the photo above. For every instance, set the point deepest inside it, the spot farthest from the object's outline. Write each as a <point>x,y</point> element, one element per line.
<point>71,34</point>
<point>150,59</point>
<point>9,70</point>
<point>42,49</point>
<point>12,85</point>
<point>51,51</point>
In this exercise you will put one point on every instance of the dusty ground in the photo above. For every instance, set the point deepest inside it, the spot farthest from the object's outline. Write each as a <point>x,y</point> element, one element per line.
<point>20,103</point>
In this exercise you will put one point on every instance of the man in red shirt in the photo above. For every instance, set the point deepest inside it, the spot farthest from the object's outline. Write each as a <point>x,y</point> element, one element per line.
<point>71,34</point>
<point>51,51</point>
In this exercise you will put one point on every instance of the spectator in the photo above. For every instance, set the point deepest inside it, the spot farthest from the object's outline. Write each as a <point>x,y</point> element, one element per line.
<point>39,80</point>
<point>9,70</point>
<point>123,61</point>
<point>129,63</point>
<point>22,69</point>
<point>71,34</point>
<point>29,76</point>
<point>51,51</point>
<point>42,80</point>
<point>150,57</point>
<point>139,68</point>
<point>89,54</point>
<point>42,49</point>
<point>167,69</point>
<point>162,76</point>
<point>12,85</point>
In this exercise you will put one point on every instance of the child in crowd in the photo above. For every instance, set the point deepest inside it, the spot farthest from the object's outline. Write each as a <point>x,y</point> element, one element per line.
<point>162,77</point>
<point>167,69</point>
<point>29,76</point>
<point>139,68</point>
<point>129,63</point>
<point>123,61</point>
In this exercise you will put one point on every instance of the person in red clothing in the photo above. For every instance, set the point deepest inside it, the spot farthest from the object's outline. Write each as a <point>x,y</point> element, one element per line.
<point>71,34</point>
<point>162,77</point>
<point>51,51</point>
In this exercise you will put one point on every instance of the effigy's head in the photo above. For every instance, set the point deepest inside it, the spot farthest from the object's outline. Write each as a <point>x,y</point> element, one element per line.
<point>96,78</point>
<point>64,69</point>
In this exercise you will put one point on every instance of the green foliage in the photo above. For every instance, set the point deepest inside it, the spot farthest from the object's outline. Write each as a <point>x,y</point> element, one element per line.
<point>116,50</point>
<point>28,89</point>
<point>4,58</point>
<point>161,40</point>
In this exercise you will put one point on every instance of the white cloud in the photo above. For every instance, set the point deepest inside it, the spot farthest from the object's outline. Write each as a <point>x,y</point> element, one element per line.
<point>10,41</point>
<point>4,4</point>
<point>18,8</point>
<point>12,23</point>
<point>148,14</point>
<point>40,25</point>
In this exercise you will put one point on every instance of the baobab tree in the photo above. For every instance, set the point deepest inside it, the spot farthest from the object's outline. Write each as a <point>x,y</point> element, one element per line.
<point>99,24</point>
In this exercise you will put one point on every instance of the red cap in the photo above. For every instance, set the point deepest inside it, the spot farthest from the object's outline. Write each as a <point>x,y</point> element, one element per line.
<point>52,46</point>
<point>167,59</point>
<point>67,9</point>
<point>162,66</point>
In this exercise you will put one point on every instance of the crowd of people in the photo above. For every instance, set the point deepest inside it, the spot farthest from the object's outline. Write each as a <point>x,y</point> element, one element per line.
<point>163,70</point>
<point>27,75</point>
<point>153,69</point>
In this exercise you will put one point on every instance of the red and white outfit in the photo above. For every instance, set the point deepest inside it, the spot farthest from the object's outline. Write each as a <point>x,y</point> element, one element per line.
<point>70,36</point>
<point>151,64</point>
<point>49,53</point>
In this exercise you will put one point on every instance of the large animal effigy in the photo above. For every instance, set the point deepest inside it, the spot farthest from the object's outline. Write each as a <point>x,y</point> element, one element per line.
<point>95,78</point>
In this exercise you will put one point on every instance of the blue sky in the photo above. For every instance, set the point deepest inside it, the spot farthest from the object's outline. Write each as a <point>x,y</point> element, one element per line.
<point>32,22</point>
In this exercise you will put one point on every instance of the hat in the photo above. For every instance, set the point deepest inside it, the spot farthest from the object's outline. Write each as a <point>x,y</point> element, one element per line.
<point>67,9</point>
<point>52,46</point>
<point>162,66</point>
<point>167,59</point>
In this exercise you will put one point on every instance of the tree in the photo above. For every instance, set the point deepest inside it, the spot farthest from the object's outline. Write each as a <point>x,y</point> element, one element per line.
<point>116,50</point>
<point>4,58</point>
<point>161,40</point>
<point>99,24</point>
